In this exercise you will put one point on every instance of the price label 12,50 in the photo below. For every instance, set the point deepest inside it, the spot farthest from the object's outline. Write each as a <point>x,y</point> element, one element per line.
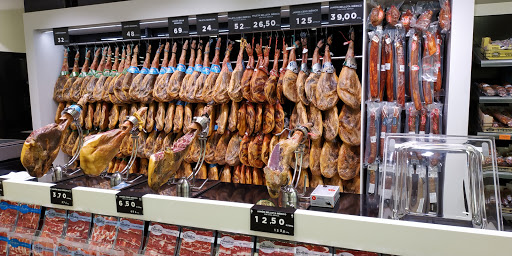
<point>342,13</point>
<point>305,16</point>
<point>207,24</point>
<point>273,220</point>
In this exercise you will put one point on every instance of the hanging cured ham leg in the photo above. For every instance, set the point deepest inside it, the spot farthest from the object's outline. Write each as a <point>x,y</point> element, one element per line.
<point>271,83</point>
<point>326,96</point>
<point>276,173</point>
<point>349,86</point>
<point>312,80</point>
<point>261,76</point>
<point>220,89</point>
<point>61,81</point>
<point>99,149</point>
<point>173,89</point>
<point>42,145</point>
<point>290,77</point>
<point>165,164</point>
<point>235,86</point>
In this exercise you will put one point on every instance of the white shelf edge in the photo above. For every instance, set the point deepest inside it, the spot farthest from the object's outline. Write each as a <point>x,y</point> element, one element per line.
<point>338,230</point>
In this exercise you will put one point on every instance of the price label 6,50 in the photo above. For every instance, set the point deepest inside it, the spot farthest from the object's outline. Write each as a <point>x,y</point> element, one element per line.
<point>129,204</point>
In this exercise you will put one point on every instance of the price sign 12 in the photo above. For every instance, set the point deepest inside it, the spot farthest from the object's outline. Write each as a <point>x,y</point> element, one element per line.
<point>207,24</point>
<point>273,220</point>
<point>342,13</point>
<point>61,36</point>
<point>239,22</point>
<point>178,26</point>
<point>129,204</point>
<point>305,16</point>
<point>131,29</point>
<point>266,19</point>
<point>62,196</point>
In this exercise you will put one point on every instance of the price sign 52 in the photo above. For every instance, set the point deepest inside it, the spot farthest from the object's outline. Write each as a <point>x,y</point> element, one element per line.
<point>342,13</point>
<point>207,24</point>
<point>239,22</point>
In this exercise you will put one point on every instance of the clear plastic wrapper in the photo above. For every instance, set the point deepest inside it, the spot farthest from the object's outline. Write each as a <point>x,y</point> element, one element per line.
<point>130,235</point>
<point>374,56</point>
<point>411,118</point>
<point>195,242</point>
<point>270,247</point>
<point>43,246</point>
<point>104,231</point>
<point>407,10</point>
<point>424,13</point>
<point>373,112</point>
<point>500,90</point>
<point>234,244</point>
<point>438,62</point>
<point>80,247</point>
<point>390,121</point>
<point>428,67</point>
<point>348,252</point>
<point>28,216</point>
<point>508,87</point>
<point>162,239</point>
<point>54,223</point>
<point>436,118</point>
<point>486,89</point>
<point>414,67</point>
<point>312,250</point>
<point>8,213</point>
<point>20,244</point>
<point>393,13</point>
<point>423,121</point>
<point>389,63</point>
<point>445,16</point>
<point>79,225</point>
<point>4,240</point>
<point>399,52</point>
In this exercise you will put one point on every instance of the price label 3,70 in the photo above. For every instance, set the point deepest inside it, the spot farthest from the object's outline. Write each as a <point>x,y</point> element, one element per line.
<point>61,196</point>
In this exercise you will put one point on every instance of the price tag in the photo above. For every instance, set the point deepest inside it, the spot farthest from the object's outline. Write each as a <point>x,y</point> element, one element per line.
<point>266,19</point>
<point>343,13</point>
<point>129,204</point>
<point>61,36</point>
<point>178,26</point>
<point>305,16</point>
<point>239,22</point>
<point>131,29</point>
<point>504,136</point>
<point>273,220</point>
<point>207,24</point>
<point>62,196</point>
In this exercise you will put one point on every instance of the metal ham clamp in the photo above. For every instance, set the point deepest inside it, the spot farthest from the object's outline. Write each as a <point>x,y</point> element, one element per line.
<point>185,184</point>
<point>61,171</point>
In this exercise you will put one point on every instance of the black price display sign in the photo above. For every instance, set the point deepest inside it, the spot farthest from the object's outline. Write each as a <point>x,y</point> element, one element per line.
<point>207,24</point>
<point>266,19</point>
<point>240,22</point>
<point>343,13</point>
<point>62,196</point>
<point>129,204</point>
<point>61,36</point>
<point>273,220</point>
<point>178,26</point>
<point>131,29</point>
<point>305,16</point>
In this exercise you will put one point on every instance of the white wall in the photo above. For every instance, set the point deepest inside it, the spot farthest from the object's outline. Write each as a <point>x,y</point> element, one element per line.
<point>12,37</point>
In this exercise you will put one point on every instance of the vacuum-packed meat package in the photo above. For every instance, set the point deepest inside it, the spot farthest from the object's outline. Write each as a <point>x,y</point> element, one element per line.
<point>234,244</point>
<point>43,246</point>
<point>271,247</point>
<point>54,223</point>
<point>130,236</point>
<point>79,225</point>
<point>28,217</point>
<point>312,249</point>
<point>20,244</point>
<point>104,231</point>
<point>346,252</point>
<point>196,242</point>
<point>162,239</point>
<point>4,240</point>
<point>8,213</point>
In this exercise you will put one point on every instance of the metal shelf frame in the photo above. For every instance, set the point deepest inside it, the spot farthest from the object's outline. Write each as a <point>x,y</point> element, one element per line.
<point>485,63</point>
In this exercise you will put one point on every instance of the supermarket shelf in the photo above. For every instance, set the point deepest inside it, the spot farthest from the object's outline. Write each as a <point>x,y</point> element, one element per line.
<point>496,135</point>
<point>507,216</point>
<point>501,174</point>
<point>485,63</point>
<point>495,99</point>
<point>492,7</point>
<point>324,228</point>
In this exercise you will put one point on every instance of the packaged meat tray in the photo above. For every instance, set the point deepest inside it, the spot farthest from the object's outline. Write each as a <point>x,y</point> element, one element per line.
<point>8,213</point>
<point>312,250</point>
<point>271,247</point>
<point>345,252</point>
<point>4,240</point>
<point>54,223</point>
<point>79,225</point>
<point>195,242</point>
<point>104,231</point>
<point>162,239</point>
<point>43,246</point>
<point>234,244</point>
<point>130,235</point>
<point>80,247</point>
<point>28,216</point>
<point>20,244</point>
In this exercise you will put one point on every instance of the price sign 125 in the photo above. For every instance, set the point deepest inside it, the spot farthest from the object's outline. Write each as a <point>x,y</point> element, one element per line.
<point>305,16</point>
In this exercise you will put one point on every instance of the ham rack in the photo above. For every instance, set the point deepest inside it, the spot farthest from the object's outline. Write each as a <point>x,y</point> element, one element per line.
<point>184,184</point>
<point>61,170</point>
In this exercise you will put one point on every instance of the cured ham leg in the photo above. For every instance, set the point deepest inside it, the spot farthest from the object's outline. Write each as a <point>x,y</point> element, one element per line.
<point>276,173</point>
<point>42,145</point>
<point>91,85</point>
<point>165,164</point>
<point>99,149</point>
<point>124,81</point>
<point>260,78</point>
<point>76,86</point>
<point>303,73</point>
<point>326,96</point>
<point>160,89</point>
<point>68,86</point>
<point>213,73</point>
<point>290,77</point>
<point>111,75</point>
<point>220,90</point>
<point>246,77</point>
<point>201,79</point>
<point>182,95</point>
<point>99,88</point>
<point>144,93</point>
<point>85,87</point>
<point>173,89</point>
<point>123,67</point>
<point>198,69</point>
<point>282,72</point>
<point>271,84</point>
<point>349,86</point>
<point>312,80</point>
<point>137,86</point>
<point>235,84</point>
<point>61,81</point>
